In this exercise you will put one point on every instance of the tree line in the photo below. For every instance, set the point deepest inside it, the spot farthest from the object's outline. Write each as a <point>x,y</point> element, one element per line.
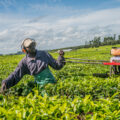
<point>97,41</point>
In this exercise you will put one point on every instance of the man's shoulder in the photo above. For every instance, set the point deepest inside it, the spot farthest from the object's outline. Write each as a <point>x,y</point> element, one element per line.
<point>41,52</point>
<point>23,61</point>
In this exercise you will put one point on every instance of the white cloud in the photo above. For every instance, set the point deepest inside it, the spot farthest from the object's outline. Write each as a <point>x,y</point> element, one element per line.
<point>55,10</point>
<point>102,17</point>
<point>3,33</point>
<point>71,31</point>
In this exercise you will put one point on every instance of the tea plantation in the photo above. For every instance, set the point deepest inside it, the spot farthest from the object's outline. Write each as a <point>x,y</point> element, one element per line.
<point>82,92</point>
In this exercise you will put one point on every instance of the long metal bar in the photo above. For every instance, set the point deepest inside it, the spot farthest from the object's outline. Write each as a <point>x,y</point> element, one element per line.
<point>102,63</point>
<point>84,62</point>
<point>87,60</point>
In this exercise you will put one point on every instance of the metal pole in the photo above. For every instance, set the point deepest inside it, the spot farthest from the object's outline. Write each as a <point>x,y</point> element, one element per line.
<point>87,59</point>
<point>84,62</point>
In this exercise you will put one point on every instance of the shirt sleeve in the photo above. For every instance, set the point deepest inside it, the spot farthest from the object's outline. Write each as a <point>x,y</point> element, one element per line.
<point>116,59</point>
<point>56,64</point>
<point>16,76</point>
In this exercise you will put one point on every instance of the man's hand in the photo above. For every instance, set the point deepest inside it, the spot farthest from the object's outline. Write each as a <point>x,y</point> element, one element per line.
<point>61,53</point>
<point>3,88</point>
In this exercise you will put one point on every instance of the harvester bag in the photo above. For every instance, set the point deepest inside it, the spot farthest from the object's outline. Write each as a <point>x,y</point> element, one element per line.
<point>44,77</point>
<point>115,51</point>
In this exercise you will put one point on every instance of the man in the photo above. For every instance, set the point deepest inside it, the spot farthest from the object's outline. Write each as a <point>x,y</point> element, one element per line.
<point>115,68</point>
<point>34,63</point>
<point>115,51</point>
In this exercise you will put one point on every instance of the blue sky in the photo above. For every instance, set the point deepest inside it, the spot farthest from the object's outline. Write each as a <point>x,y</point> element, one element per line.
<point>56,23</point>
<point>47,7</point>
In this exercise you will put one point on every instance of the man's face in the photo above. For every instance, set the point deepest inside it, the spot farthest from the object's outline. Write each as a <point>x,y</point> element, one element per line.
<point>31,48</point>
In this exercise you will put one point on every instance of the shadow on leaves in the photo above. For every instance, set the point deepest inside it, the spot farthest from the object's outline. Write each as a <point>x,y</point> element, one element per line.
<point>101,75</point>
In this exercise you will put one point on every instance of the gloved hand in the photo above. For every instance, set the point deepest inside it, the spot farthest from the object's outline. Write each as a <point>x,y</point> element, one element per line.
<point>3,88</point>
<point>61,53</point>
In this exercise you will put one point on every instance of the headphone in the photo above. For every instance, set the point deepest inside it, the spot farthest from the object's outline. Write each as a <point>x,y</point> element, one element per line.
<point>23,47</point>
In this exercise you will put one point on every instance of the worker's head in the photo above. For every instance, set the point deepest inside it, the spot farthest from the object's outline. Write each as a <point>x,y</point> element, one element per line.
<point>28,45</point>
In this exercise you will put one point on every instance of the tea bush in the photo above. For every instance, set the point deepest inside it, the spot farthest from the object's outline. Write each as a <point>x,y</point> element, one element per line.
<point>80,93</point>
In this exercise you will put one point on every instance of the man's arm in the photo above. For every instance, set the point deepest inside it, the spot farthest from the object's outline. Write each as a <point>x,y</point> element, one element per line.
<point>16,76</point>
<point>56,64</point>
